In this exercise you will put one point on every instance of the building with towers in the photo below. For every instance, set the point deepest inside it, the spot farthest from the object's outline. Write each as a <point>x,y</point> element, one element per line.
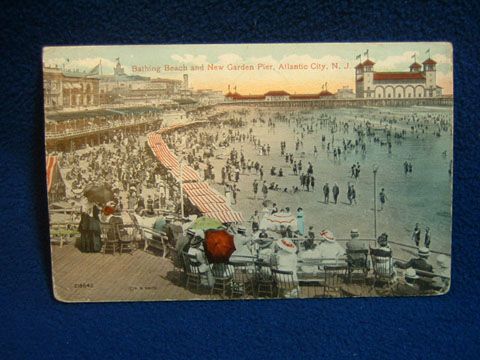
<point>418,82</point>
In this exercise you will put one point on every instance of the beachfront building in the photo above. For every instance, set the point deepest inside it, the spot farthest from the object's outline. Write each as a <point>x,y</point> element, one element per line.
<point>345,93</point>
<point>121,88</point>
<point>415,83</point>
<point>69,89</point>
<point>208,96</point>
<point>277,96</point>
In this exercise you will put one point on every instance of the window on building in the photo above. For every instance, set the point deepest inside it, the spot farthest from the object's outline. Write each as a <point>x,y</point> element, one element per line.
<point>399,95</point>
<point>389,95</point>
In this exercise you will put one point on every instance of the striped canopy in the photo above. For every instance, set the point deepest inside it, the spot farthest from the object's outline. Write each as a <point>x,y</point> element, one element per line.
<point>51,163</point>
<point>205,198</point>
<point>169,160</point>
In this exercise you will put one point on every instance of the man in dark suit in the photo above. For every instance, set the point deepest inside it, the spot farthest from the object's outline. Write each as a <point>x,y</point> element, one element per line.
<point>335,192</point>
<point>326,192</point>
<point>420,263</point>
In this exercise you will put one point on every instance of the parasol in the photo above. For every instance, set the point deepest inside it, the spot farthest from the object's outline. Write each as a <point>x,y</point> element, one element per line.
<point>218,245</point>
<point>98,193</point>
<point>206,223</point>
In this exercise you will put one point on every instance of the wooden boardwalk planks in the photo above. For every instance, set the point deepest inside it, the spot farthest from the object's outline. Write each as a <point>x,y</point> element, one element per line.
<point>94,277</point>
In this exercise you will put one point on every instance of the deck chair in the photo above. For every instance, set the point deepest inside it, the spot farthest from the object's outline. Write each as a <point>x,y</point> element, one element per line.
<point>193,275</point>
<point>222,279</point>
<point>334,277</point>
<point>264,284</point>
<point>126,243</point>
<point>110,239</point>
<point>285,284</point>
<point>357,262</point>
<point>243,274</point>
<point>382,265</point>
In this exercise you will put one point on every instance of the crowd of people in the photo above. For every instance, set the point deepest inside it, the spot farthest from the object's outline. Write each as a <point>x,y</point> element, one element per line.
<point>233,151</point>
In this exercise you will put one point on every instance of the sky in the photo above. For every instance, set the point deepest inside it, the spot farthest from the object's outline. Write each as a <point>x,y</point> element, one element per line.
<point>257,68</point>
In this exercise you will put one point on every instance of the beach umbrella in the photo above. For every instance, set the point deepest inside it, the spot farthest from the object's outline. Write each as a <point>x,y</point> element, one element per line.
<point>218,245</point>
<point>276,220</point>
<point>206,223</point>
<point>98,193</point>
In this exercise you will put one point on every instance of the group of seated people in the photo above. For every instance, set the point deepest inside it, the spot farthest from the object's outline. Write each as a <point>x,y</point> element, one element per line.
<point>418,274</point>
<point>290,253</point>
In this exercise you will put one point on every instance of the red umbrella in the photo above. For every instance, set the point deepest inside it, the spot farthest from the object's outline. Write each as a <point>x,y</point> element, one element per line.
<point>218,245</point>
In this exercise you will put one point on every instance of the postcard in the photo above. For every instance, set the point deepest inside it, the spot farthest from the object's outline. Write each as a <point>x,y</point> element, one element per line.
<point>249,171</point>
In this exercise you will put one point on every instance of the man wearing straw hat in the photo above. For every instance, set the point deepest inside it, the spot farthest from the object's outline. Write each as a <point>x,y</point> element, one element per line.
<point>409,286</point>
<point>354,246</point>
<point>420,262</point>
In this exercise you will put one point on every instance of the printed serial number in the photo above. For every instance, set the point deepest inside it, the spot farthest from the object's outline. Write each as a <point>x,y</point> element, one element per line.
<point>83,285</point>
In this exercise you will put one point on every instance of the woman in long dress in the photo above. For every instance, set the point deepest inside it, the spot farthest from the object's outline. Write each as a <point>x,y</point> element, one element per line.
<point>89,228</point>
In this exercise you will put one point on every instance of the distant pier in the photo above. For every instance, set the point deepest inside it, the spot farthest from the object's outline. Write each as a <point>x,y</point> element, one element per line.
<point>347,103</point>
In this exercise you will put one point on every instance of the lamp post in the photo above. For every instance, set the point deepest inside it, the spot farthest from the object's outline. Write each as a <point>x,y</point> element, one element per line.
<point>181,186</point>
<point>375,169</point>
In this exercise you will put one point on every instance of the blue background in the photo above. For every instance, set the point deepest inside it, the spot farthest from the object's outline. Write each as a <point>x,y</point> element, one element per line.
<point>34,325</point>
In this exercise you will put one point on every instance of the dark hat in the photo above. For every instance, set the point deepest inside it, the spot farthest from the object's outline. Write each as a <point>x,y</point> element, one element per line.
<point>382,239</point>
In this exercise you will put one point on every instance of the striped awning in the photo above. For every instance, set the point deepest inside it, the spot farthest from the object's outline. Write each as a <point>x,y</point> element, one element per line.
<point>51,163</point>
<point>169,160</point>
<point>205,198</point>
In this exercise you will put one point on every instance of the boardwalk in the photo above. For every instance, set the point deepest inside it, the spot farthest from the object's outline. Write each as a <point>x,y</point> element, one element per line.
<point>143,276</point>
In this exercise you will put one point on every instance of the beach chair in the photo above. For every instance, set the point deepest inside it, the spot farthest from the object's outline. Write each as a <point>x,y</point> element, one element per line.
<point>125,241</point>
<point>243,274</point>
<point>193,275</point>
<point>285,284</point>
<point>382,265</point>
<point>222,279</point>
<point>334,277</point>
<point>110,239</point>
<point>264,283</point>
<point>357,262</point>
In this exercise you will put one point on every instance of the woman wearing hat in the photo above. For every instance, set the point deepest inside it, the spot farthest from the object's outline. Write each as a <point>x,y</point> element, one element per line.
<point>330,250</point>
<point>89,227</point>
<point>196,249</point>
<point>285,259</point>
